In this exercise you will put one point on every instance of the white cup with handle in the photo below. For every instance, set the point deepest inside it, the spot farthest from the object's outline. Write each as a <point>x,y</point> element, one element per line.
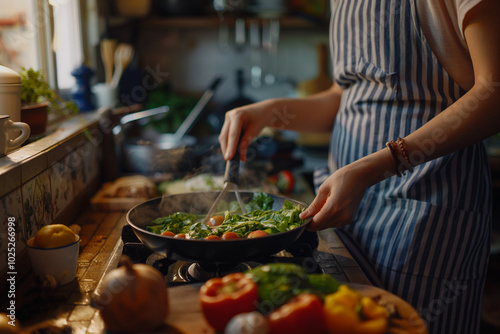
<point>7,143</point>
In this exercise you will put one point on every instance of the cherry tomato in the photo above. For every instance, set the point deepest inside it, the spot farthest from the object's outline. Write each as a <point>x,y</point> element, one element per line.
<point>212,237</point>
<point>168,233</point>
<point>230,236</point>
<point>215,221</point>
<point>180,236</point>
<point>257,234</point>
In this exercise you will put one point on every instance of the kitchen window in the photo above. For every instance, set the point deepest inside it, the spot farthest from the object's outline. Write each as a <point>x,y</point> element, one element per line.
<point>42,34</point>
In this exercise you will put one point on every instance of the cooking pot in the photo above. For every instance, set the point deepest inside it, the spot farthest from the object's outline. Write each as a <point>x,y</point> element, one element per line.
<point>210,252</point>
<point>164,153</point>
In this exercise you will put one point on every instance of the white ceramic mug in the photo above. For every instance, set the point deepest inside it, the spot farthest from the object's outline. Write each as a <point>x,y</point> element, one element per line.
<point>7,143</point>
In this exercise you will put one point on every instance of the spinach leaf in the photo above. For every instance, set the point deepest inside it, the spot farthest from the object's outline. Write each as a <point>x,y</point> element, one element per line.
<point>260,201</point>
<point>198,231</point>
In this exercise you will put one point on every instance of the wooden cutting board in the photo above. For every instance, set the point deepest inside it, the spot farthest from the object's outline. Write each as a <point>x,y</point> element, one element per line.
<point>185,315</point>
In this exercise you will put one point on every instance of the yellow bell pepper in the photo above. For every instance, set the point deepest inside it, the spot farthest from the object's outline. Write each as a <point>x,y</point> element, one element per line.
<point>347,312</point>
<point>340,319</point>
<point>372,310</point>
<point>344,296</point>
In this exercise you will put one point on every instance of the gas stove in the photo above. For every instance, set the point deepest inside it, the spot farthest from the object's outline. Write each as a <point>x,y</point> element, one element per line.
<point>303,252</point>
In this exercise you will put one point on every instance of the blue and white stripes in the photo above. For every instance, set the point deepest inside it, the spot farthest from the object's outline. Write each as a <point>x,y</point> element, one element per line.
<point>428,230</point>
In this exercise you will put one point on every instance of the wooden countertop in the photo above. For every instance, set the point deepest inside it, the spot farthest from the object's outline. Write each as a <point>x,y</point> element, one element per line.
<point>70,305</point>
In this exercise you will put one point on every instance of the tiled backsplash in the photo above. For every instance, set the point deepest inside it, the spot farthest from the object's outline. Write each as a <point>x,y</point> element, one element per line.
<point>43,180</point>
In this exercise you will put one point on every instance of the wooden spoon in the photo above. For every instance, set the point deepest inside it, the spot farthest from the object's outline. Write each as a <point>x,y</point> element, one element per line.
<point>108,47</point>
<point>123,56</point>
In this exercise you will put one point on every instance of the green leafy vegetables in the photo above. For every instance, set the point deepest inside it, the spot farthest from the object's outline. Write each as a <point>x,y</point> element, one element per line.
<point>279,282</point>
<point>259,216</point>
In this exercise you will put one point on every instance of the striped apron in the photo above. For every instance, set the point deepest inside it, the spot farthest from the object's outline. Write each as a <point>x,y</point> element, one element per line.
<point>425,236</point>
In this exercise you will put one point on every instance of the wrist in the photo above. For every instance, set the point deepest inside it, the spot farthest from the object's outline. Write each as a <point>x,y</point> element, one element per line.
<point>376,167</point>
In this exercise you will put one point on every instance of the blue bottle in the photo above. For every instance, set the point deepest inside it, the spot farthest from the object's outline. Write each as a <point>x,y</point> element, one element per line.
<point>81,92</point>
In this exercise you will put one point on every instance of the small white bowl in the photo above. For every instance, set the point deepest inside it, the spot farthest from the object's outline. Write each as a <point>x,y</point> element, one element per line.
<point>60,262</point>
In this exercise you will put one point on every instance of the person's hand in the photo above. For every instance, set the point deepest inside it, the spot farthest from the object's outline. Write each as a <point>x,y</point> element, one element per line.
<point>250,120</point>
<point>337,200</point>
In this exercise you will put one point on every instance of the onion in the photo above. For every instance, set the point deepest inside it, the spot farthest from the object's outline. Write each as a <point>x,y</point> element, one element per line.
<point>132,298</point>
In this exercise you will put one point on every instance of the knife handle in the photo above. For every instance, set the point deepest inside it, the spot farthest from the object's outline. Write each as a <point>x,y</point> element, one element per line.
<point>232,172</point>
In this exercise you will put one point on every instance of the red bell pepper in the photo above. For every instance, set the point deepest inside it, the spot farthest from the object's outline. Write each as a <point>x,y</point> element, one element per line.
<point>302,314</point>
<point>223,298</point>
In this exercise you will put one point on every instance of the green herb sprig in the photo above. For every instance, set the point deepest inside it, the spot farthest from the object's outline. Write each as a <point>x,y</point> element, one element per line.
<point>35,89</point>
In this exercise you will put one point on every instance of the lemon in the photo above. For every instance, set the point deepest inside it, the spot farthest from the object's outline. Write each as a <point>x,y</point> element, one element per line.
<point>53,236</point>
<point>5,327</point>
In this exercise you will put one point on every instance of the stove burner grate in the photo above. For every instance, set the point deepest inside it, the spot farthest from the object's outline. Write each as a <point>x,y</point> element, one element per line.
<point>177,272</point>
<point>199,272</point>
<point>190,272</point>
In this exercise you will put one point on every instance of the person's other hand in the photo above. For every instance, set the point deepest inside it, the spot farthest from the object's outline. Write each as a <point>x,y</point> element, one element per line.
<point>337,200</point>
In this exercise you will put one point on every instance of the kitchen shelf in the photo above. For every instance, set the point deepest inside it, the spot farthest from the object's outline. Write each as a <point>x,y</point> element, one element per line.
<point>214,21</point>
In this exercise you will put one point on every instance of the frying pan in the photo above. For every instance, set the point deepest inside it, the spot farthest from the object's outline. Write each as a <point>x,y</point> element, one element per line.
<point>206,251</point>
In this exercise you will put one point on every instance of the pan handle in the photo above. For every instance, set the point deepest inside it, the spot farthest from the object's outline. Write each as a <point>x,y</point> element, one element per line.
<point>143,114</point>
<point>136,116</point>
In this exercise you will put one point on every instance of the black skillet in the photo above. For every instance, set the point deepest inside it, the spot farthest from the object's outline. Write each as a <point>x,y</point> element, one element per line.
<point>206,251</point>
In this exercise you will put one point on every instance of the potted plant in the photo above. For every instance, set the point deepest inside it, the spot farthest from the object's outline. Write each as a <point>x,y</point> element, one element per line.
<point>38,99</point>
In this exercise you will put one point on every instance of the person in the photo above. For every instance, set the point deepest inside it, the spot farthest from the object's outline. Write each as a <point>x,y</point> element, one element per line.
<point>416,90</point>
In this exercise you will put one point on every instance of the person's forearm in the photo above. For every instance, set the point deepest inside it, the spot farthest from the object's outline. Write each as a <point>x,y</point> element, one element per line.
<point>455,128</point>
<point>474,117</point>
<point>315,113</point>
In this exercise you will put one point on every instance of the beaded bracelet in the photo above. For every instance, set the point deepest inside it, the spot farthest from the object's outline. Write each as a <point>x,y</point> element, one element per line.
<point>400,156</point>
<point>391,149</point>
<point>406,161</point>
